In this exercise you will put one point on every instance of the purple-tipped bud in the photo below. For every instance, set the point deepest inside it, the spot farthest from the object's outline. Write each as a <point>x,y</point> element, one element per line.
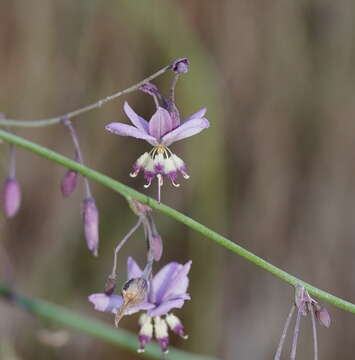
<point>91,225</point>
<point>11,197</point>
<point>180,66</point>
<point>323,316</point>
<point>110,285</point>
<point>69,181</point>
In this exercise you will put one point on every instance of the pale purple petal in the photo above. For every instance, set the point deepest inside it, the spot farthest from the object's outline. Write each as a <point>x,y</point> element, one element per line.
<point>142,306</point>
<point>179,283</point>
<point>165,307</point>
<point>197,115</point>
<point>160,123</point>
<point>185,130</point>
<point>133,270</point>
<point>137,120</point>
<point>129,130</point>
<point>103,302</point>
<point>161,281</point>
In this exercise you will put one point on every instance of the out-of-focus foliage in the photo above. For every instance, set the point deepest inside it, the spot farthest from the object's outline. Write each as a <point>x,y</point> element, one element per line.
<point>275,171</point>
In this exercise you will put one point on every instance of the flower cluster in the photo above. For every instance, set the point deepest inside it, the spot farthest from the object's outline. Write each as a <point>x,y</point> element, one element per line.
<point>305,305</point>
<point>166,291</point>
<point>155,295</point>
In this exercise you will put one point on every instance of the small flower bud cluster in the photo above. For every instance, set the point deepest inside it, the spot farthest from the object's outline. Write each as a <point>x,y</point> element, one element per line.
<point>305,305</point>
<point>68,185</point>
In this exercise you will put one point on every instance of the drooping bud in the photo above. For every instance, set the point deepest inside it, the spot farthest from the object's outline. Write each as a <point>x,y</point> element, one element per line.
<point>91,225</point>
<point>11,197</point>
<point>180,66</point>
<point>323,316</point>
<point>69,181</point>
<point>176,325</point>
<point>110,285</point>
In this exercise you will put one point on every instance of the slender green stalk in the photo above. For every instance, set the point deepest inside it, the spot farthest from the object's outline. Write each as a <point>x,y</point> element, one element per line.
<point>75,113</point>
<point>193,224</point>
<point>95,328</point>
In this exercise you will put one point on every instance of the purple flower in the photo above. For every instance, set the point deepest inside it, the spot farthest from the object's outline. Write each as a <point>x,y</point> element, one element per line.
<point>163,129</point>
<point>167,291</point>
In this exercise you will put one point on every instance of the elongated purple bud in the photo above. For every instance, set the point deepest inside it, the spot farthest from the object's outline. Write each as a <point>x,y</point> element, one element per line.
<point>323,316</point>
<point>91,225</point>
<point>110,285</point>
<point>11,197</point>
<point>69,181</point>
<point>154,239</point>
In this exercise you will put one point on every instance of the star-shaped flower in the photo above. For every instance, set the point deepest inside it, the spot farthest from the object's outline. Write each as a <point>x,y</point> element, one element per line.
<point>167,291</point>
<point>163,129</point>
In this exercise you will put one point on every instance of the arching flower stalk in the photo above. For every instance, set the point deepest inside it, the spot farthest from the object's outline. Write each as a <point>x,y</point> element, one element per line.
<point>152,236</point>
<point>166,291</point>
<point>162,130</point>
<point>305,305</point>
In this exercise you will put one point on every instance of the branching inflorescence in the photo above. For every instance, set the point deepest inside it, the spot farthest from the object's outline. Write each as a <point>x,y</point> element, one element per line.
<point>155,295</point>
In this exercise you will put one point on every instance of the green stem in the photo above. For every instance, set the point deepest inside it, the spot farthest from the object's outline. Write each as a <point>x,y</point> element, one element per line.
<point>193,224</point>
<point>95,328</point>
<point>75,113</point>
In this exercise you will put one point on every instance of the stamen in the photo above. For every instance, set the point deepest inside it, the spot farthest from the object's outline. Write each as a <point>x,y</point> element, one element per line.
<point>175,184</point>
<point>148,184</point>
<point>160,184</point>
<point>133,174</point>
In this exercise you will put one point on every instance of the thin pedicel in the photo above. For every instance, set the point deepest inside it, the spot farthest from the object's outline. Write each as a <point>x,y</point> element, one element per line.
<point>90,212</point>
<point>80,111</point>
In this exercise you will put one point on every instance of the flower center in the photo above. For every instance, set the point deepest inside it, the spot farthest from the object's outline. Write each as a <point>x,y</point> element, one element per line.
<point>160,150</point>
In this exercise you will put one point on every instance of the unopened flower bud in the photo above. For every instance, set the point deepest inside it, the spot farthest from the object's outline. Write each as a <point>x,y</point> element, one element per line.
<point>110,285</point>
<point>11,197</point>
<point>69,181</point>
<point>323,316</point>
<point>91,225</point>
<point>180,66</point>
<point>150,89</point>
<point>154,239</point>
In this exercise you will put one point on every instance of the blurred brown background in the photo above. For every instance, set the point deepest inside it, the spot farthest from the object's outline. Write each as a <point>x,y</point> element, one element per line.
<point>275,172</point>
